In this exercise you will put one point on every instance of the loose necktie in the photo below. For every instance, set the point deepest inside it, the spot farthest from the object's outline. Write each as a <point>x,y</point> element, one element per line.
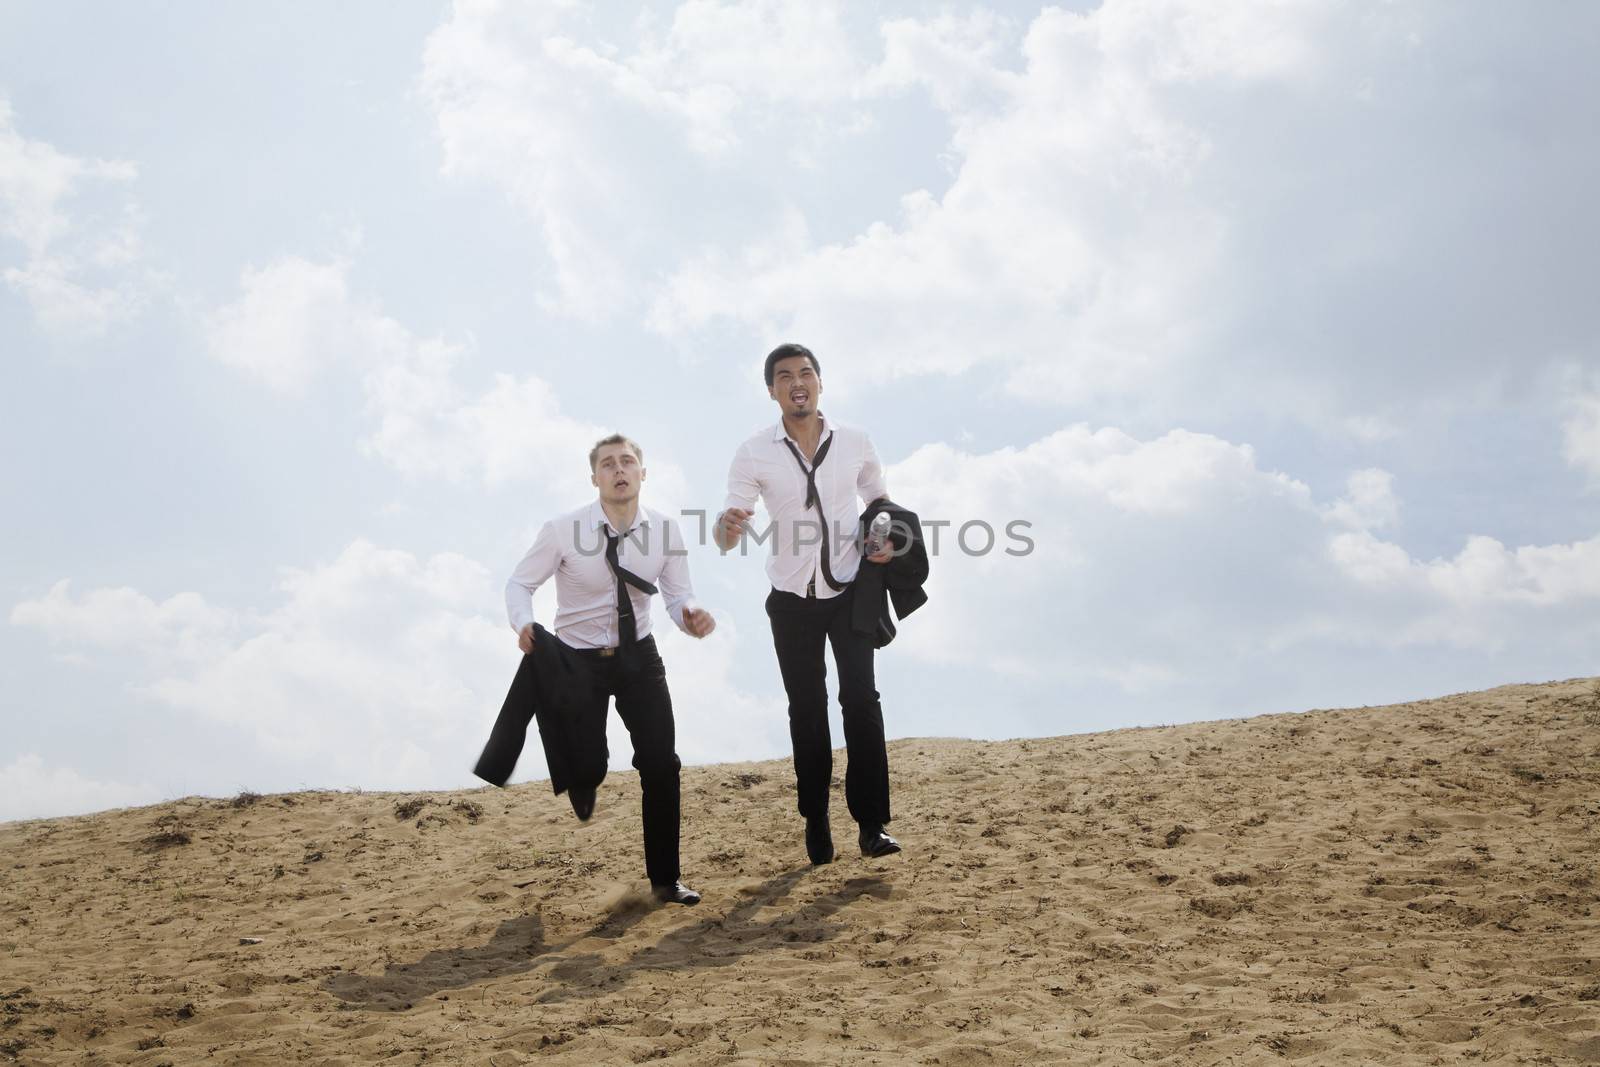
<point>814,499</point>
<point>626,626</point>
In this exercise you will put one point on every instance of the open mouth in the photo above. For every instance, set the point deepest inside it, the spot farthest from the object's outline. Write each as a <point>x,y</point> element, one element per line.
<point>620,483</point>
<point>798,397</point>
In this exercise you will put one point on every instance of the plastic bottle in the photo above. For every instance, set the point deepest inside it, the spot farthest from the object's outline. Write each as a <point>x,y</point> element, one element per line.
<point>877,534</point>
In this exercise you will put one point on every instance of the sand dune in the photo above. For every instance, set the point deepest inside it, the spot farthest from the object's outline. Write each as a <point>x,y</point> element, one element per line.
<point>1402,885</point>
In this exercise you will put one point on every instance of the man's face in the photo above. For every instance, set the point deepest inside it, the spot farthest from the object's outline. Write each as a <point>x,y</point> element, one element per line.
<point>617,474</point>
<point>795,386</point>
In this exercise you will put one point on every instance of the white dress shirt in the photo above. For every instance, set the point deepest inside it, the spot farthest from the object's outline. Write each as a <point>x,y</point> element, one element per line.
<point>573,549</point>
<point>765,467</point>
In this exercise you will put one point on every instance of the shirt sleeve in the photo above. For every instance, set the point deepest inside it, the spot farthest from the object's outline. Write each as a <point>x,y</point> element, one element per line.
<point>743,486</point>
<point>870,482</point>
<point>673,581</point>
<point>535,569</point>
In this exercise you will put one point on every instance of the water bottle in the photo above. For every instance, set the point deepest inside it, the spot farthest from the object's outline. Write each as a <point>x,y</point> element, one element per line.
<point>877,534</point>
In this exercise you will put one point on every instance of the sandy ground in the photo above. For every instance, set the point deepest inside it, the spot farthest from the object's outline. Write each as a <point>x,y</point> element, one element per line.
<point>1403,885</point>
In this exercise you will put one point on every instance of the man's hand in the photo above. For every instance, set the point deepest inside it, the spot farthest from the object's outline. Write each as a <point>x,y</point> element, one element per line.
<point>698,622</point>
<point>883,556</point>
<point>731,526</point>
<point>525,639</point>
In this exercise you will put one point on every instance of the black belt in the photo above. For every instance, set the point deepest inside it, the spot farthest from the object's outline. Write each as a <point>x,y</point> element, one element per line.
<point>648,641</point>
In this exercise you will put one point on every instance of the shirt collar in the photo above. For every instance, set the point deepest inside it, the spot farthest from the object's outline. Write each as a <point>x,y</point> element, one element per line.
<point>779,433</point>
<point>597,518</point>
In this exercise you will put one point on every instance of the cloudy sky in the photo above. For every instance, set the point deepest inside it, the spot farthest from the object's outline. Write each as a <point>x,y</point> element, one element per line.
<point>1275,320</point>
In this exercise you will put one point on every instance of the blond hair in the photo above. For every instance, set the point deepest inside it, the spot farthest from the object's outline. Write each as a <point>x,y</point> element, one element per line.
<point>614,439</point>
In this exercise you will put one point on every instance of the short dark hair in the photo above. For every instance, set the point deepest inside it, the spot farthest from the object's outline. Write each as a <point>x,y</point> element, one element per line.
<point>614,439</point>
<point>789,351</point>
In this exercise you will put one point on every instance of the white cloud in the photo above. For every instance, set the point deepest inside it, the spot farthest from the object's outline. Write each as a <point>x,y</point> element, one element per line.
<point>426,426</point>
<point>1369,502</point>
<point>622,152</point>
<point>294,318</point>
<point>1580,428</point>
<point>71,269</point>
<point>365,669</point>
<point>770,50</point>
<point>1302,209</point>
<point>1133,543</point>
<point>183,626</point>
<point>1193,41</point>
<point>378,669</point>
<point>1177,474</point>
<point>369,671</point>
<point>30,789</point>
<point>1525,603</point>
<point>956,60</point>
<point>1483,574</point>
<point>512,105</point>
<point>1368,560</point>
<point>1065,248</point>
<point>1174,567</point>
<point>297,319</point>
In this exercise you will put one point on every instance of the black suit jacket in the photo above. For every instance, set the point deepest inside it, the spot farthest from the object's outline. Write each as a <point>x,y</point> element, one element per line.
<point>554,683</point>
<point>899,581</point>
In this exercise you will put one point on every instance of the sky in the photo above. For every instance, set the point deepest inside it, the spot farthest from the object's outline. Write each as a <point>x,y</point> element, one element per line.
<point>1274,321</point>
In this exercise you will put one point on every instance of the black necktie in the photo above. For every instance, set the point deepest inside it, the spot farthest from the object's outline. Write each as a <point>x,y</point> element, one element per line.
<point>626,627</point>
<point>814,499</point>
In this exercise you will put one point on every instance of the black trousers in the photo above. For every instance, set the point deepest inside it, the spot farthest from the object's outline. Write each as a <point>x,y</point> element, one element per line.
<point>574,738</point>
<point>800,626</point>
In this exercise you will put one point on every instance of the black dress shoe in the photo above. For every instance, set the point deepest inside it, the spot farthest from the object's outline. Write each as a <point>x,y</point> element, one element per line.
<point>582,797</point>
<point>676,893</point>
<point>875,843</point>
<point>819,839</point>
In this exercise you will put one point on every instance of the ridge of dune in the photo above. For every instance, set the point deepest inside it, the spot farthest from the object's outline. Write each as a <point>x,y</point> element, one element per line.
<point>1411,884</point>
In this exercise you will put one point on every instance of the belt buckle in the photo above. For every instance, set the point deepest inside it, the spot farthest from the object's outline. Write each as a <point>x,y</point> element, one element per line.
<point>608,652</point>
<point>811,588</point>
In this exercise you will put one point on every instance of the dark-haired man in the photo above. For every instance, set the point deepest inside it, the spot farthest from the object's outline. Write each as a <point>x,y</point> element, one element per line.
<point>809,472</point>
<point>607,558</point>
